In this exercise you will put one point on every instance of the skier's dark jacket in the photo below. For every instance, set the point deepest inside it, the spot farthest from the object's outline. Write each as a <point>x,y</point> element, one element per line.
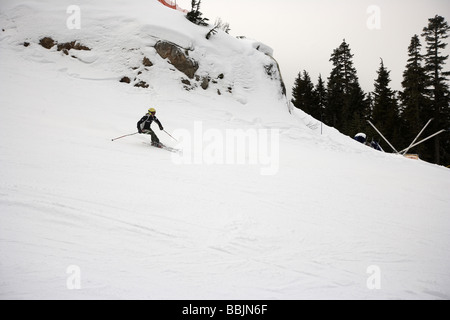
<point>146,122</point>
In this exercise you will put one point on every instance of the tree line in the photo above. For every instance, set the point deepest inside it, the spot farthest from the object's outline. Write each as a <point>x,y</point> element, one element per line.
<point>399,115</point>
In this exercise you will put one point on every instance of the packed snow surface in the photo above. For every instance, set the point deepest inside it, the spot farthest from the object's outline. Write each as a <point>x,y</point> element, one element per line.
<point>315,216</point>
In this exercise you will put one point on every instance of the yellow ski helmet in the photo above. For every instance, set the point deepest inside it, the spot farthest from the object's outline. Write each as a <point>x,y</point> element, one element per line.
<point>152,110</point>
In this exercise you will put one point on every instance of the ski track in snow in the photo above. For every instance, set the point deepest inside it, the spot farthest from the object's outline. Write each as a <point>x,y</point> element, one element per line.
<point>139,226</point>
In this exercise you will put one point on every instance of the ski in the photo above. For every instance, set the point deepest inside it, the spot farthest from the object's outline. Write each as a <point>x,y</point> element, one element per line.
<point>173,150</point>
<point>164,147</point>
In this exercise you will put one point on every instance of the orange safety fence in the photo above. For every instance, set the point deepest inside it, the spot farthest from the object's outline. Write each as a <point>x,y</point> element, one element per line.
<point>172,5</point>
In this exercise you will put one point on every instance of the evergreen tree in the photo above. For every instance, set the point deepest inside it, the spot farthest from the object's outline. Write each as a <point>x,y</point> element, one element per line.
<point>370,102</point>
<point>357,111</point>
<point>437,31</point>
<point>346,106</point>
<point>414,96</point>
<point>303,96</point>
<point>195,16</point>
<point>385,108</point>
<point>297,94</point>
<point>335,94</point>
<point>321,98</point>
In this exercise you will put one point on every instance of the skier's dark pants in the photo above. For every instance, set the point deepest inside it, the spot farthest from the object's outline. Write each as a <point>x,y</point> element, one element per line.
<point>155,139</point>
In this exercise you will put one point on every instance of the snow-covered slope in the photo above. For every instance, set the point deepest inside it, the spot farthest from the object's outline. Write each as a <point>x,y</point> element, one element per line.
<point>131,221</point>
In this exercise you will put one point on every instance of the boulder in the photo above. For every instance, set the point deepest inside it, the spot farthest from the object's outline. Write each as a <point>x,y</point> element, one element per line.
<point>47,42</point>
<point>125,80</point>
<point>146,62</point>
<point>177,58</point>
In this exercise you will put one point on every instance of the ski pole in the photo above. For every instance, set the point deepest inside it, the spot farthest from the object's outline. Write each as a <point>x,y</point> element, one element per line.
<point>417,137</point>
<point>170,136</point>
<point>128,135</point>
<point>426,139</point>
<point>383,137</point>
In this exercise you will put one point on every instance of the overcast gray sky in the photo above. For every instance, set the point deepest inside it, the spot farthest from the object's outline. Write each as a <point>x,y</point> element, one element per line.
<point>304,33</point>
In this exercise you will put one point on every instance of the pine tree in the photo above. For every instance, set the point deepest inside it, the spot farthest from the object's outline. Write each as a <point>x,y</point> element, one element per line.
<point>414,96</point>
<point>297,94</point>
<point>195,16</point>
<point>303,96</point>
<point>349,71</point>
<point>346,106</point>
<point>335,93</point>
<point>370,102</point>
<point>357,111</point>
<point>321,98</point>
<point>385,108</point>
<point>336,88</point>
<point>437,31</point>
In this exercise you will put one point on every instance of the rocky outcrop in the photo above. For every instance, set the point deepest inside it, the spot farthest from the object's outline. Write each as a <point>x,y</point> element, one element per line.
<point>179,59</point>
<point>49,43</point>
<point>205,83</point>
<point>75,45</point>
<point>146,62</point>
<point>142,84</point>
<point>274,72</point>
<point>125,80</point>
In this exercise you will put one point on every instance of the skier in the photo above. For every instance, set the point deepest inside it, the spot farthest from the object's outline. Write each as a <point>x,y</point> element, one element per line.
<point>144,126</point>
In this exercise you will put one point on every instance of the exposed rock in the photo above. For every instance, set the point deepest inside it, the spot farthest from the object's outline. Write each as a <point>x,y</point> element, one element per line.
<point>142,84</point>
<point>205,83</point>
<point>65,47</point>
<point>186,82</point>
<point>47,42</point>
<point>177,58</point>
<point>26,44</point>
<point>125,80</point>
<point>274,72</point>
<point>269,70</point>
<point>146,62</point>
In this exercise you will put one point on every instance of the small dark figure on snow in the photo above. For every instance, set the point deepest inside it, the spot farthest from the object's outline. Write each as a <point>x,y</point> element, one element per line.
<point>361,137</point>
<point>144,126</point>
<point>376,145</point>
